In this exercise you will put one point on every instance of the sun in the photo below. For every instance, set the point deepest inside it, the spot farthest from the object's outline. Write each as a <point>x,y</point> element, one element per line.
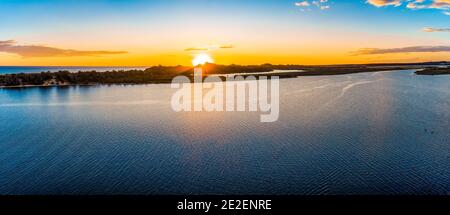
<point>202,59</point>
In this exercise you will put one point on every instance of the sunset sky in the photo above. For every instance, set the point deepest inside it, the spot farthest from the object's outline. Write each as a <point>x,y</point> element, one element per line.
<point>169,32</point>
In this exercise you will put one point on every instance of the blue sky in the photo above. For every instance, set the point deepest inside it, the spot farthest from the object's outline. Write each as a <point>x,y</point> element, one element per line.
<point>149,30</point>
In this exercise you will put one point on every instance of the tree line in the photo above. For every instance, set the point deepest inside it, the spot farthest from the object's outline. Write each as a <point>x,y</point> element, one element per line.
<point>155,74</point>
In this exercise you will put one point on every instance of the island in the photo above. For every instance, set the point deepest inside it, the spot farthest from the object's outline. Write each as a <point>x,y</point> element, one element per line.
<point>434,71</point>
<point>165,74</point>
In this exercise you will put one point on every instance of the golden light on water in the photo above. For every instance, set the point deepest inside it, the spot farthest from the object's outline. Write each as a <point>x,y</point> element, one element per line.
<point>202,59</point>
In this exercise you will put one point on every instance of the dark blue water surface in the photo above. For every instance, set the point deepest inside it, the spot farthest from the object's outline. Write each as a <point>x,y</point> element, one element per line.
<point>371,133</point>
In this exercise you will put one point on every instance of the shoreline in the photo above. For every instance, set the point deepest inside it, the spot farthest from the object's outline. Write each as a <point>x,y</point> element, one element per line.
<point>46,86</point>
<point>164,75</point>
<point>433,71</point>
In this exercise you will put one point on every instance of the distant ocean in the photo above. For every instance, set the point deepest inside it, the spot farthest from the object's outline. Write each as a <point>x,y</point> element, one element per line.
<point>38,69</point>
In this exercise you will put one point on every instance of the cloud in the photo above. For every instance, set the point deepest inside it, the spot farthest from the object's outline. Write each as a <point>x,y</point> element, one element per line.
<point>412,49</point>
<point>302,4</point>
<point>436,30</point>
<point>209,48</point>
<point>10,46</point>
<point>414,4</point>
<point>321,4</point>
<point>417,4</point>
<point>196,49</point>
<point>382,3</point>
<point>440,4</point>
<point>226,46</point>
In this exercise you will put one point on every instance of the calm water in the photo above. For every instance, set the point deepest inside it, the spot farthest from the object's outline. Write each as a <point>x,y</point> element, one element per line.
<point>373,133</point>
<point>38,69</point>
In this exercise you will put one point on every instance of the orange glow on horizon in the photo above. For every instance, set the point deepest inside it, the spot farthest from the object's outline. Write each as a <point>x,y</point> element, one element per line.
<point>202,59</point>
<point>240,57</point>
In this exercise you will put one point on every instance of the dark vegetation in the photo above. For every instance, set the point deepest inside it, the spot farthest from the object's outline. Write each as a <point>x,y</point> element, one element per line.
<point>349,69</point>
<point>165,74</point>
<point>156,74</point>
<point>434,71</point>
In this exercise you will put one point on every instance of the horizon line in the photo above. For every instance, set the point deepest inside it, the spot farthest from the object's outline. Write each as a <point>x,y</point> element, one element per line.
<point>339,64</point>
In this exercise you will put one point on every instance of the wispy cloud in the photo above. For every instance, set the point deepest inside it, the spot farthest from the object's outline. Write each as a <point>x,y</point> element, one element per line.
<point>414,4</point>
<point>10,46</point>
<point>302,4</point>
<point>382,3</point>
<point>226,46</point>
<point>417,4</point>
<point>436,30</point>
<point>440,4</point>
<point>321,4</point>
<point>412,49</point>
<point>209,48</point>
